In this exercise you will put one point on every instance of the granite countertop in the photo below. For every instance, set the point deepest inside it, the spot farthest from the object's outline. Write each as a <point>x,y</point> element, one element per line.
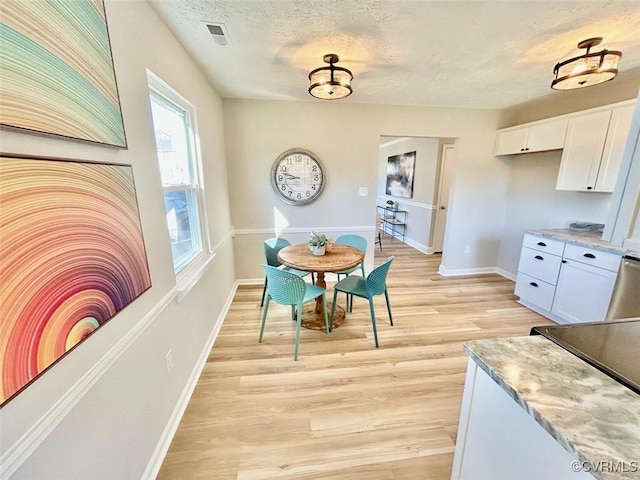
<point>592,416</point>
<point>585,238</point>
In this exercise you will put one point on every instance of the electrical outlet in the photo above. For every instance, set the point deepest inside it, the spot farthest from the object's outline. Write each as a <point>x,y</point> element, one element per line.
<point>363,192</point>
<point>169,361</point>
<point>467,249</point>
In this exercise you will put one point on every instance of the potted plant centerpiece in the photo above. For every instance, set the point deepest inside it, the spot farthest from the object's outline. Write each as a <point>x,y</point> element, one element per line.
<point>318,243</point>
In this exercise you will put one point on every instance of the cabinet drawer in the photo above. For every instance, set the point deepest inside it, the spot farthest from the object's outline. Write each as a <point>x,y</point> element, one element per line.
<point>535,291</point>
<point>541,265</point>
<point>592,256</point>
<point>543,244</point>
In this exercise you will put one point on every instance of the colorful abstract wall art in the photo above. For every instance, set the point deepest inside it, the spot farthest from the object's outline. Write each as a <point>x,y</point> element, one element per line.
<point>56,70</point>
<point>72,256</point>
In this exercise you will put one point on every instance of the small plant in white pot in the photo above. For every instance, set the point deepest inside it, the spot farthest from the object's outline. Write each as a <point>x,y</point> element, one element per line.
<point>318,243</point>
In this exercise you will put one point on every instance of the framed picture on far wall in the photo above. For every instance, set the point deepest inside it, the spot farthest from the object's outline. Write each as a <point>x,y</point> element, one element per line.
<point>72,256</point>
<point>400,172</point>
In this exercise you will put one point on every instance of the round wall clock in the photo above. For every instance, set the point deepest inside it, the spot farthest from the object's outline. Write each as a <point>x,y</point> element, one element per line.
<point>298,176</point>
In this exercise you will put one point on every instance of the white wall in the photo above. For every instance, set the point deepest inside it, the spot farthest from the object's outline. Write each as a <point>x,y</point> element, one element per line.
<point>110,431</point>
<point>420,207</point>
<point>533,202</point>
<point>346,138</point>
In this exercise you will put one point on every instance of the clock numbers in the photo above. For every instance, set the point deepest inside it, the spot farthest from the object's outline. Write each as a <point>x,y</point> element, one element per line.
<point>298,177</point>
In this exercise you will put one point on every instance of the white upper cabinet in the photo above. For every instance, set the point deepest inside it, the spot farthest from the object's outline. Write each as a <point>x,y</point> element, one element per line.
<point>537,137</point>
<point>593,150</point>
<point>614,148</point>
<point>582,152</point>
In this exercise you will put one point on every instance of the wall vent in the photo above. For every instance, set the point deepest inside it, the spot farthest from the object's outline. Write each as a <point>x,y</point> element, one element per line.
<point>219,33</point>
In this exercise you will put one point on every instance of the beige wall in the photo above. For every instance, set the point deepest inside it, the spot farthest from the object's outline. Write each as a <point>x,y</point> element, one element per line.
<point>623,87</point>
<point>345,137</point>
<point>113,428</point>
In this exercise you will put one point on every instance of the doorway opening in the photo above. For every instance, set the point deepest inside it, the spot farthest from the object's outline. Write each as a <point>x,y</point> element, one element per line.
<point>424,167</point>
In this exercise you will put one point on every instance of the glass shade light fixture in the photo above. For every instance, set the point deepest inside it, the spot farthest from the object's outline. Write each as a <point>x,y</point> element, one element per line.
<point>588,69</point>
<point>330,83</point>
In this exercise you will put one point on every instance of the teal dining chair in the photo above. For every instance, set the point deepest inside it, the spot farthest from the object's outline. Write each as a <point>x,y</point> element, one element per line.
<point>287,288</point>
<point>355,241</point>
<point>271,248</point>
<point>358,242</point>
<point>374,284</point>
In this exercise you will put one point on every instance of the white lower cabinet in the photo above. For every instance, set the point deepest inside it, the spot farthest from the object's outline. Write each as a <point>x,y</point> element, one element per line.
<point>499,440</point>
<point>583,292</point>
<point>566,283</point>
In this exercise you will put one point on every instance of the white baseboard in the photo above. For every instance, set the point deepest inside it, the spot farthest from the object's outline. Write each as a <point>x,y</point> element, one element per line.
<point>20,451</point>
<point>506,274</point>
<point>162,447</point>
<point>418,246</point>
<point>445,272</point>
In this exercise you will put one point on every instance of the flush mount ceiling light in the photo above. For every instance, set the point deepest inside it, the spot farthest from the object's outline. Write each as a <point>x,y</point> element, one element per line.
<point>588,69</point>
<point>330,83</point>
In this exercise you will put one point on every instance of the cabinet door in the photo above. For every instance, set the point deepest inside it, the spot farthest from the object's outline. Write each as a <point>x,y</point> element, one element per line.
<point>510,142</point>
<point>614,148</point>
<point>547,136</point>
<point>582,152</point>
<point>583,292</point>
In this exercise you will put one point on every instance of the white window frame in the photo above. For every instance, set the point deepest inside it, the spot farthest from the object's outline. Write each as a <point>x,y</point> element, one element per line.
<point>188,272</point>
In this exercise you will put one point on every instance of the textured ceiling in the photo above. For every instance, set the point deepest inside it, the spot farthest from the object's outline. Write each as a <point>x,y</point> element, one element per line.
<point>475,54</point>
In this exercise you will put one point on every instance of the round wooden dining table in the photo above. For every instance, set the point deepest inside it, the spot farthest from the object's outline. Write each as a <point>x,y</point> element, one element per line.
<point>336,259</point>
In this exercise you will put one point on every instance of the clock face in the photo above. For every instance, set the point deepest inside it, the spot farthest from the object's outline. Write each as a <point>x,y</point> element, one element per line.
<point>298,176</point>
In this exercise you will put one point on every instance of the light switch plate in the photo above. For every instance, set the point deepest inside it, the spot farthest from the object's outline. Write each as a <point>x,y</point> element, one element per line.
<point>363,192</point>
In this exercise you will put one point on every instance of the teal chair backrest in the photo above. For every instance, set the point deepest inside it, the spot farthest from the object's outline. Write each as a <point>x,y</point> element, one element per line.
<point>284,287</point>
<point>376,282</point>
<point>355,241</point>
<point>271,248</point>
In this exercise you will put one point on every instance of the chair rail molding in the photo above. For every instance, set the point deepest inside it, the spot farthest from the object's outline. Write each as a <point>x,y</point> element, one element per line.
<point>407,202</point>
<point>271,230</point>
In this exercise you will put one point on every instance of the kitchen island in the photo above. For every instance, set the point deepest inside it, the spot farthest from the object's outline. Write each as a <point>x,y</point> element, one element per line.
<point>532,410</point>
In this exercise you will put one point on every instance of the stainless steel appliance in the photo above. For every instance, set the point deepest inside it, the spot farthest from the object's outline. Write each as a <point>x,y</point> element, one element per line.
<point>611,347</point>
<point>625,300</point>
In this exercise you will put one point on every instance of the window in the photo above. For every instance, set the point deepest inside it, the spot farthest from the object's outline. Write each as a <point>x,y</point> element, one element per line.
<point>180,172</point>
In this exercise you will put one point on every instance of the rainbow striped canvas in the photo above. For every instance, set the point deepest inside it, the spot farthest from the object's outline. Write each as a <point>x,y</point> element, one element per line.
<point>72,256</point>
<point>56,70</point>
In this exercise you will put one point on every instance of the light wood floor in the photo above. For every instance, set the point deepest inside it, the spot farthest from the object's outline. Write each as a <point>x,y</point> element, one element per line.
<point>344,410</point>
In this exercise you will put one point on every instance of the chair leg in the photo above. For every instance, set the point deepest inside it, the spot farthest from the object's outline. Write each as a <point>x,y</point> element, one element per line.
<point>264,291</point>
<point>333,307</point>
<point>298,322</point>
<point>386,295</point>
<point>380,240</point>
<point>373,321</point>
<point>313,279</point>
<point>324,309</point>
<point>264,317</point>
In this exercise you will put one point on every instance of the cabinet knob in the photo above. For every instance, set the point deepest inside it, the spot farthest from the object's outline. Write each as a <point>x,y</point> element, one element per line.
<point>538,257</point>
<point>542,244</point>
<point>589,255</point>
<point>589,188</point>
<point>564,261</point>
<point>533,284</point>
<point>442,207</point>
<point>522,149</point>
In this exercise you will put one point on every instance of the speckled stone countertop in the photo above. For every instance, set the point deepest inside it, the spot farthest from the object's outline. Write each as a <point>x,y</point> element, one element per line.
<point>592,416</point>
<point>585,238</point>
